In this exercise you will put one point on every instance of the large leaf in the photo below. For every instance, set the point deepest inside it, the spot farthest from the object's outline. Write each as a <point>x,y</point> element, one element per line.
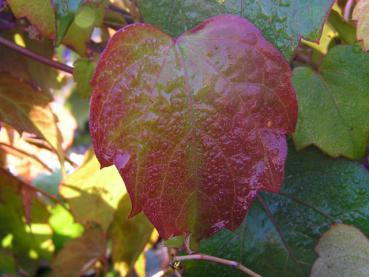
<point>334,103</point>
<point>26,109</point>
<point>39,12</point>
<point>194,127</point>
<point>129,237</point>
<point>338,188</point>
<point>361,15</point>
<point>80,254</point>
<point>93,194</point>
<point>343,251</point>
<point>282,22</point>
<point>29,244</point>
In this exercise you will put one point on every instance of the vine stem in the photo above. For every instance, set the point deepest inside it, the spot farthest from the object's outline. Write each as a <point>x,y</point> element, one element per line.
<point>35,56</point>
<point>347,10</point>
<point>204,257</point>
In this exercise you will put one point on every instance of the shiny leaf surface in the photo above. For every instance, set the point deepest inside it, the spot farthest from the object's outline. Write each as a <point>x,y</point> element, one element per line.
<point>282,22</point>
<point>334,103</point>
<point>336,187</point>
<point>193,126</point>
<point>343,251</point>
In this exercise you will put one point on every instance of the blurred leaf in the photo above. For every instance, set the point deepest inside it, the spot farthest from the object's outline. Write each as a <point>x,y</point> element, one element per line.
<point>7,264</point>
<point>345,30</point>
<point>26,109</point>
<point>129,237</point>
<point>343,251</point>
<point>339,93</point>
<point>39,12</point>
<point>282,22</point>
<point>29,243</point>
<point>82,74</point>
<point>80,254</point>
<point>93,193</point>
<point>88,16</point>
<point>361,15</point>
<point>64,227</point>
<point>336,187</point>
<point>328,34</point>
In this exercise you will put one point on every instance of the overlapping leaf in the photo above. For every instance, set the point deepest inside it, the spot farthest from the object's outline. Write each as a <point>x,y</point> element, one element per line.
<point>337,187</point>
<point>361,15</point>
<point>93,194</point>
<point>282,22</point>
<point>26,109</point>
<point>343,251</point>
<point>82,74</point>
<point>194,127</point>
<point>334,103</point>
<point>39,12</point>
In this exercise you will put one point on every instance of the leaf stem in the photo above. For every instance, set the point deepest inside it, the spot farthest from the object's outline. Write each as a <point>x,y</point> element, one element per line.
<point>347,10</point>
<point>35,56</point>
<point>291,197</point>
<point>27,154</point>
<point>204,257</point>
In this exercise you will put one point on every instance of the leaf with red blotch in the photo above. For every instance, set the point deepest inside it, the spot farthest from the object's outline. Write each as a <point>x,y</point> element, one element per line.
<point>196,125</point>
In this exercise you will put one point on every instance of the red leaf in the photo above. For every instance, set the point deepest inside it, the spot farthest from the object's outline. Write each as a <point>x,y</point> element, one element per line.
<point>196,125</point>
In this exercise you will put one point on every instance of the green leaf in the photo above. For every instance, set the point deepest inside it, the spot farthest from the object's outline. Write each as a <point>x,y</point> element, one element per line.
<point>343,251</point>
<point>361,15</point>
<point>129,237</point>
<point>334,103</point>
<point>88,16</point>
<point>31,243</point>
<point>345,30</point>
<point>93,194</point>
<point>26,109</point>
<point>337,187</point>
<point>80,254</point>
<point>39,12</point>
<point>82,74</point>
<point>7,264</point>
<point>282,22</point>
<point>64,227</point>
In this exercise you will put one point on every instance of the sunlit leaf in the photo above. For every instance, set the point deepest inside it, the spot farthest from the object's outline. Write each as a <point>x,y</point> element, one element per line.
<point>361,15</point>
<point>282,22</point>
<point>29,243</point>
<point>39,12</point>
<point>80,254</point>
<point>193,126</point>
<point>336,187</point>
<point>343,251</point>
<point>129,237</point>
<point>334,103</point>
<point>93,194</point>
<point>26,109</point>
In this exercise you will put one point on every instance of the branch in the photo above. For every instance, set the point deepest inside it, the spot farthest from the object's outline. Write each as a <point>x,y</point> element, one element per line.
<point>203,257</point>
<point>35,56</point>
<point>347,11</point>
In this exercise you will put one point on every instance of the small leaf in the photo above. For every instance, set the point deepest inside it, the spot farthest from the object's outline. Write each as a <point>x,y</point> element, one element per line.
<point>82,74</point>
<point>88,16</point>
<point>334,103</point>
<point>194,127</point>
<point>282,22</point>
<point>80,254</point>
<point>90,187</point>
<point>26,109</point>
<point>129,237</point>
<point>361,15</point>
<point>39,12</point>
<point>343,251</point>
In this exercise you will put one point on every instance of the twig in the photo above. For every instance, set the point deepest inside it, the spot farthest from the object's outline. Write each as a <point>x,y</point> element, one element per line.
<point>187,244</point>
<point>291,197</point>
<point>276,226</point>
<point>35,56</point>
<point>217,260</point>
<point>347,10</point>
<point>28,155</point>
